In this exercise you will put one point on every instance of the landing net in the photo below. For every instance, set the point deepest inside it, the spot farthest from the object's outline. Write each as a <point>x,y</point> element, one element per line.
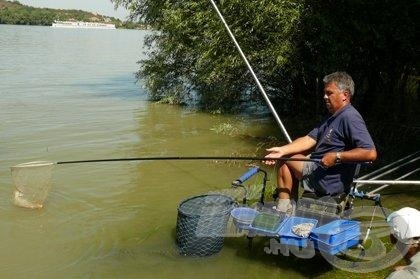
<point>32,182</point>
<point>201,224</point>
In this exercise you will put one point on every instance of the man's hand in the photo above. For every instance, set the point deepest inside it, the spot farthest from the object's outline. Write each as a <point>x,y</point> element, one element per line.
<point>328,160</point>
<point>298,146</point>
<point>275,152</point>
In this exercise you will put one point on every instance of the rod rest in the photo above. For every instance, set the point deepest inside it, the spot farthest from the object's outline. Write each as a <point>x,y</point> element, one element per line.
<point>354,193</point>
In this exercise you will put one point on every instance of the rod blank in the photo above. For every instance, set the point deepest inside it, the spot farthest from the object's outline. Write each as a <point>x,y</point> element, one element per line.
<point>188,158</point>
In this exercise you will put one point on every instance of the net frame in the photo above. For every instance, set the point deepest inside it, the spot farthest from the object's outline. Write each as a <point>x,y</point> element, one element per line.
<point>32,182</point>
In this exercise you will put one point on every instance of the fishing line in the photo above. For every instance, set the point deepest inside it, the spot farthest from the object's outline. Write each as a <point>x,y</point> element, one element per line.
<point>189,173</point>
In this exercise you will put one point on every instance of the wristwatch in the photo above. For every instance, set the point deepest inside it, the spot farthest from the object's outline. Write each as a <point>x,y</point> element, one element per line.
<point>338,158</point>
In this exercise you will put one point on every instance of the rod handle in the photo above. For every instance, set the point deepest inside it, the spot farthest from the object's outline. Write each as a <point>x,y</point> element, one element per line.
<point>250,173</point>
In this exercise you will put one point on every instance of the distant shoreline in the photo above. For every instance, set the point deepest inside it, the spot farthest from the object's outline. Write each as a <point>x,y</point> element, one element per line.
<point>47,26</point>
<point>16,13</point>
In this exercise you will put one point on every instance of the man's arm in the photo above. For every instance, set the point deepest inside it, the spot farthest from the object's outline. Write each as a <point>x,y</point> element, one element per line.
<point>354,155</point>
<point>297,146</point>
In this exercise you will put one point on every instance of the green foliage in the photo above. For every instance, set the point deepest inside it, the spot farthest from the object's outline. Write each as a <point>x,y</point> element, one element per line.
<point>192,57</point>
<point>16,13</point>
<point>291,46</point>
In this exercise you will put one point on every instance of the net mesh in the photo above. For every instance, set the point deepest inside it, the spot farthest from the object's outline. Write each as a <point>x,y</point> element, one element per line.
<point>201,224</point>
<point>32,182</point>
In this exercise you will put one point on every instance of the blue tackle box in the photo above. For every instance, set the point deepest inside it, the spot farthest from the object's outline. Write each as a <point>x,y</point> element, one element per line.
<point>287,236</point>
<point>336,236</point>
<point>336,231</point>
<point>336,247</point>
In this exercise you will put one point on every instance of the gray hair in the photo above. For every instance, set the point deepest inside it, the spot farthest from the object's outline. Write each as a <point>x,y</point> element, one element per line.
<point>343,81</point>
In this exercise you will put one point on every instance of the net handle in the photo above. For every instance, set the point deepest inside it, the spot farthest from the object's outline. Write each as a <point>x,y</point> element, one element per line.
<point>34,164</point>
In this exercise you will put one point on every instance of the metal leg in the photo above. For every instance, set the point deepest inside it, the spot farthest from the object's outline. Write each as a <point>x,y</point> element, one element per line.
<point>250,238</point>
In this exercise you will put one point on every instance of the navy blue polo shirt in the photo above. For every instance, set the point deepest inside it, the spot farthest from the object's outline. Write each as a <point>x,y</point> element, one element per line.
<point>345,130</point>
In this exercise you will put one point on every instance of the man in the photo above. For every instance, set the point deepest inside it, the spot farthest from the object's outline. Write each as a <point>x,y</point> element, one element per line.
<point>405,228</point>
<point>341,138</point>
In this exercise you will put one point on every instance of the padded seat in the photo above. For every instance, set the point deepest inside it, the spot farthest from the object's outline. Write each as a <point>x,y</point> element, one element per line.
<point>334,205</point>
<point>339,205</point>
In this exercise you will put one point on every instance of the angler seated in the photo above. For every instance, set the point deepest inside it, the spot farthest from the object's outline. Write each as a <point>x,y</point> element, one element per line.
<point>342,137</point>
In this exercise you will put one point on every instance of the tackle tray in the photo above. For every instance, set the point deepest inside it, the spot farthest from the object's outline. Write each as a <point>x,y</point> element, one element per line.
<point>336,247</point>
<point>288,237</point>
<point>268,223</point>
<point>243,217</point>
<point>336,231</point>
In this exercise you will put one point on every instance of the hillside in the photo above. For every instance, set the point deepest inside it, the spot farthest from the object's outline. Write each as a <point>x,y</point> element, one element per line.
<point>13,12</point>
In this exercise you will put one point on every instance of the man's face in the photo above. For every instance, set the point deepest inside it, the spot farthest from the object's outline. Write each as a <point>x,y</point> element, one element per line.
<point>407,250</point>
<point>334,98</point>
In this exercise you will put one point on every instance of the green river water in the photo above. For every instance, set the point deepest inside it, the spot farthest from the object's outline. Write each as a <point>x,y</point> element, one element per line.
<point>71,95</point>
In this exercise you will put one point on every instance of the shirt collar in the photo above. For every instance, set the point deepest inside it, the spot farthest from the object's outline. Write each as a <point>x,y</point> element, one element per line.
<point>341,110</point>
<point>416,258</point>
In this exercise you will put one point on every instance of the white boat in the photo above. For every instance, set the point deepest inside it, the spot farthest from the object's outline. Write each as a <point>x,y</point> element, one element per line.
<point>82,24</point>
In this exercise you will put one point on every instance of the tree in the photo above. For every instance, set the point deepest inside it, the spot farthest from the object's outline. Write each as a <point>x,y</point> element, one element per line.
<point>191,56</point>
<point>375,41</point>
<point>291,44</point>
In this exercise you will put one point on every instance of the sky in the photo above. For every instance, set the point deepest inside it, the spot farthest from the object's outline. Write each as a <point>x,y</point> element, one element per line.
<point>103,7</point>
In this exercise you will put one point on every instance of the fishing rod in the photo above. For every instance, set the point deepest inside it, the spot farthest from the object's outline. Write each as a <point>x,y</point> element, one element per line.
<point>168,158</point>
<point>270,105</point>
